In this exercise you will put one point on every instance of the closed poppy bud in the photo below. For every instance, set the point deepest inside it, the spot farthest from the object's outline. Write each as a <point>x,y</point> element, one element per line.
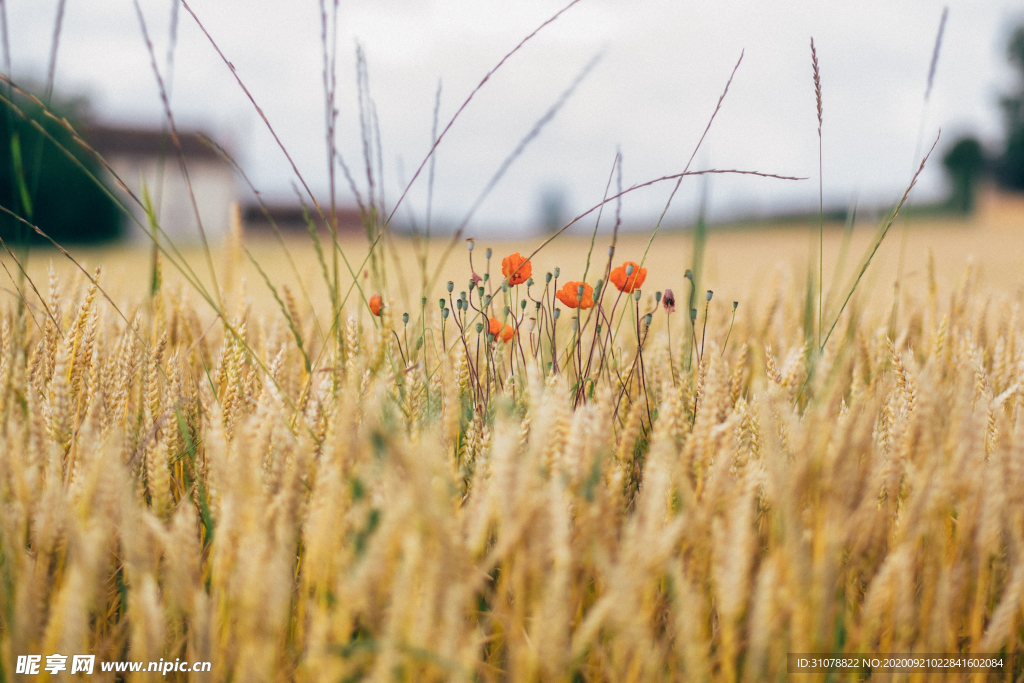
<point>376,304</point>
<point>451,286</point>
<point>488,253</point>
<point>442,302</point>
<point>444,313</point>
<point>709,295</point>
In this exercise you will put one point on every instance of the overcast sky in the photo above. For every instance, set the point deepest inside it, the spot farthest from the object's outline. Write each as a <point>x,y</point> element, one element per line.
<point>664,65</point>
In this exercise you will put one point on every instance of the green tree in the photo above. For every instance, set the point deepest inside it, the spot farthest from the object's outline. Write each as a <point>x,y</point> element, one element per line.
<point>964,162</point>
<point>42,185</point>
<point>1010,168</point>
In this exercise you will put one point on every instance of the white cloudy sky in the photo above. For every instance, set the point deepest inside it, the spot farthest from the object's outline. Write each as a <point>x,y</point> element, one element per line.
<point>665,63</point>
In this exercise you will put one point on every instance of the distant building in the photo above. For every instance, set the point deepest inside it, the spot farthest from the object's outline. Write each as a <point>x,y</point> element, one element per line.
<point>290,218</point>
<point>137,154</point>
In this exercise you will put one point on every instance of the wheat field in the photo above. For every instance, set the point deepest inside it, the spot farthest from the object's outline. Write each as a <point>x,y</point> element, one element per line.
<point>295,502</point>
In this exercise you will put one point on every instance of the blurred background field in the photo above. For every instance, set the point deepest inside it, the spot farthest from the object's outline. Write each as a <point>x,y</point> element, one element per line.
<point>739,259</point>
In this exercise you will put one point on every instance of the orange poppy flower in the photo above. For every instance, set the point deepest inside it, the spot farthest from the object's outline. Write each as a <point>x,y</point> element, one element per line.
<point>504,333</point>
<point>376,304</point>
<point>627,283</point>
<point>569,295</point>
<point>516,268</point>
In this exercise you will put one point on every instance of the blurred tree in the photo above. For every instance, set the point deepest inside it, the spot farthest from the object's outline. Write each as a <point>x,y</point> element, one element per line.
<point>42,185</point>
<point>964,162</point>
<point>1010,167</point>
<point>552,208</point>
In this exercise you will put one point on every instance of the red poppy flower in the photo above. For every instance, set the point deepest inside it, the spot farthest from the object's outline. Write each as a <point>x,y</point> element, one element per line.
<point>569,295</point>
<point>376,304</point>
<point>628,283</point>
<point>503,333</point>
<point>516,268</point>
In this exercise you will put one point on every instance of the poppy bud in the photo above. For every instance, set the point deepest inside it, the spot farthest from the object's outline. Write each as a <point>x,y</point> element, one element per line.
<point>443,303</point>
<point>470,244</point>
<point>558,312</point>
<point>636,295</point>
<point>629,269</point>
<point>480,292</point>
<point>709,295</point>
<point>735,305</point>
<point>529,282</point>
<point>522,304</point>
<point>557,271</point>
<point>647,320</point>
<point>488,253</point>
<point>547,278</point>
<point>657,298</point>
<point>479,328</point>
<point>688,275</point>
<point>405,318</point>
<point>444,313</point>
<point>487,300</point>
<point>451,286</point>
<point>611,252</point>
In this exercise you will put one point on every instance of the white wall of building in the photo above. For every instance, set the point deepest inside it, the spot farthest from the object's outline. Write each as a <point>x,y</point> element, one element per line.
<point>213,185</point>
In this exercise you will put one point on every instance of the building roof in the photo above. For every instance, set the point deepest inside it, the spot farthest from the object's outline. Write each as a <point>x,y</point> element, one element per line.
<point>291,217</point>
<point>131,141</point>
